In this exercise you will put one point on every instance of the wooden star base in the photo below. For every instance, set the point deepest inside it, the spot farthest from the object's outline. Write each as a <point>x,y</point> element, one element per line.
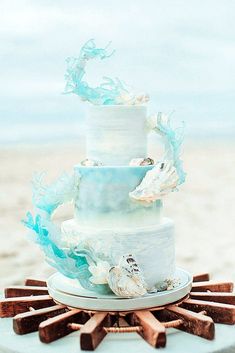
<point>33,309</point>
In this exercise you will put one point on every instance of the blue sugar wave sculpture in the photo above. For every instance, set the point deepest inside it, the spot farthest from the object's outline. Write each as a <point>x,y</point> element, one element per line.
<point>72,262</point>
<point>173,139</point>
<point>110,90</point>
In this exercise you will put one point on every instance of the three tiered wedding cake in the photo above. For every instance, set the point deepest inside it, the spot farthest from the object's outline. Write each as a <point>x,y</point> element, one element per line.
<point>119,240</point>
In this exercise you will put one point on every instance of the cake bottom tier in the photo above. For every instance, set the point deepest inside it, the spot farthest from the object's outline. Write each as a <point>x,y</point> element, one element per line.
<point>152,247</point>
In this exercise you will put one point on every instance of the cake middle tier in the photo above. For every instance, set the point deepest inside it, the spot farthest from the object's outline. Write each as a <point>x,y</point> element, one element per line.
<point>103,198</point>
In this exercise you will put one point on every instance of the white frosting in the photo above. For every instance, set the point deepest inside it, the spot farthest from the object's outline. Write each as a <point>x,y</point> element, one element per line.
<point>116,133</point>
<point>152,247</point>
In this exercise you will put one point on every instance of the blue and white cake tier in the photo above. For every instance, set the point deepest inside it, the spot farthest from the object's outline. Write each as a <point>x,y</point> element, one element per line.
<point>152,247</point>
<point>103,199</point>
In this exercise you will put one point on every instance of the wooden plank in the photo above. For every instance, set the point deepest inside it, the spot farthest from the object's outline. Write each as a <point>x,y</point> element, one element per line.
<point>13,306</point>
<point>219,297</point>
<point>35,282</point>
<point>92,333</point>
<point>29,322</point>
<point>192,322</point>
<point>54,328</point>
<point>23,291</point>
<point>212,286</point>
<point>219,312</point>
<point>152,330</point>
<point>201,277</point>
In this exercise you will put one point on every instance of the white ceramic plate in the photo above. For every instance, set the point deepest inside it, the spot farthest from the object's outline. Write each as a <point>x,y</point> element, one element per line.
<point>70,293</point>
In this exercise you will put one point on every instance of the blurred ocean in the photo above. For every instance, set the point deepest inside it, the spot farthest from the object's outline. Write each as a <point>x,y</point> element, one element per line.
<point>180,52</point>
<point>29,120</point>
<point>51,132</point>
<point>59,131</point>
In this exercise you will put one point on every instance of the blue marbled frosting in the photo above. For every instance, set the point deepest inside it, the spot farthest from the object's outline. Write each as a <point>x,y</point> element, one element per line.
<point>103,198</point>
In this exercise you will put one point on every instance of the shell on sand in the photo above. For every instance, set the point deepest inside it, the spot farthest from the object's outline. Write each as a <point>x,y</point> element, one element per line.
<point>125,280</point>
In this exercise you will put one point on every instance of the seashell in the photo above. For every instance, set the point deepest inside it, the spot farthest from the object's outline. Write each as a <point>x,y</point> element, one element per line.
<point>141,99</point>
<point>168,284</point>
<point>172,283</point>
<point>91,163</point>
<point>99,272</point>
<point>141,162</point>
<point>155,121</point>
<point>161,286</point>
<point>158,182</point>
<point>125,280</point>
<point>130,99</point>
<point>147,161</point>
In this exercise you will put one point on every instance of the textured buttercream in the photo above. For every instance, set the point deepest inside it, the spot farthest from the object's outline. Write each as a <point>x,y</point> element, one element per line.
<point>116,134</point>
<point>153,247</point>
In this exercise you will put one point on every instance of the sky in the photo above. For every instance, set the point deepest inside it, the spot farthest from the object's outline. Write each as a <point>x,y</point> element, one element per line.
<point>182,53</point>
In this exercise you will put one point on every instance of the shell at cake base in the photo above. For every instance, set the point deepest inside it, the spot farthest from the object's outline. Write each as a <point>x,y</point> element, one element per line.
<point>70,293</point>
<point>152,248</point>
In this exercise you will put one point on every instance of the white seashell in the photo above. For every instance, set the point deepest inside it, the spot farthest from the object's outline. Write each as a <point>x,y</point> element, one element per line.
<point>125,280</point>
<point>141,99</point>
<point>168,284</point>
<point>99,272</point>
<point>153,122</point>
<point>141,162</point>
<point>91,163</point>
<point>130,99</point>
<point>159,181</point>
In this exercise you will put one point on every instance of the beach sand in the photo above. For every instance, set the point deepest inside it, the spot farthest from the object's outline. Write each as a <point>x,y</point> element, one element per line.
<point>203,210</point>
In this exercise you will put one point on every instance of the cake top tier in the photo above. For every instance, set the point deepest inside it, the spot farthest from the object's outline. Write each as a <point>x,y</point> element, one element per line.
<point>116,133</point>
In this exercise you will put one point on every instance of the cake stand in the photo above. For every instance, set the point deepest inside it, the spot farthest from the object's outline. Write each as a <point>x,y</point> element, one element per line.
<point>32,309</point>
<point>70,293</point>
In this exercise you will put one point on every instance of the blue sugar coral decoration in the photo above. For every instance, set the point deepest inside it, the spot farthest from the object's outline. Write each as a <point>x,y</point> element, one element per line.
<point>173,140</point>
<point>71,262</point>
<point>109,91</point>
<point>50,197</point>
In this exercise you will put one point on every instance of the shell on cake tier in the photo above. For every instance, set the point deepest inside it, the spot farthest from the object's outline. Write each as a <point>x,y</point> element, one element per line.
<point>118,240</point>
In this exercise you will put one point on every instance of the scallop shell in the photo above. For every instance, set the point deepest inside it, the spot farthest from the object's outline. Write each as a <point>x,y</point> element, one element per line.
<point>159,181</point>
<point>125,280</point>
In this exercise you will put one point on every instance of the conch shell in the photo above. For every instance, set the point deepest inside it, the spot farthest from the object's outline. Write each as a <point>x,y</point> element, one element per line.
<point>159,181</point>
<point>125,280</point>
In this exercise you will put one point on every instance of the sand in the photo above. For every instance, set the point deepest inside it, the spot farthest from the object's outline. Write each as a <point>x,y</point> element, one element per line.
<point>203,210</point>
